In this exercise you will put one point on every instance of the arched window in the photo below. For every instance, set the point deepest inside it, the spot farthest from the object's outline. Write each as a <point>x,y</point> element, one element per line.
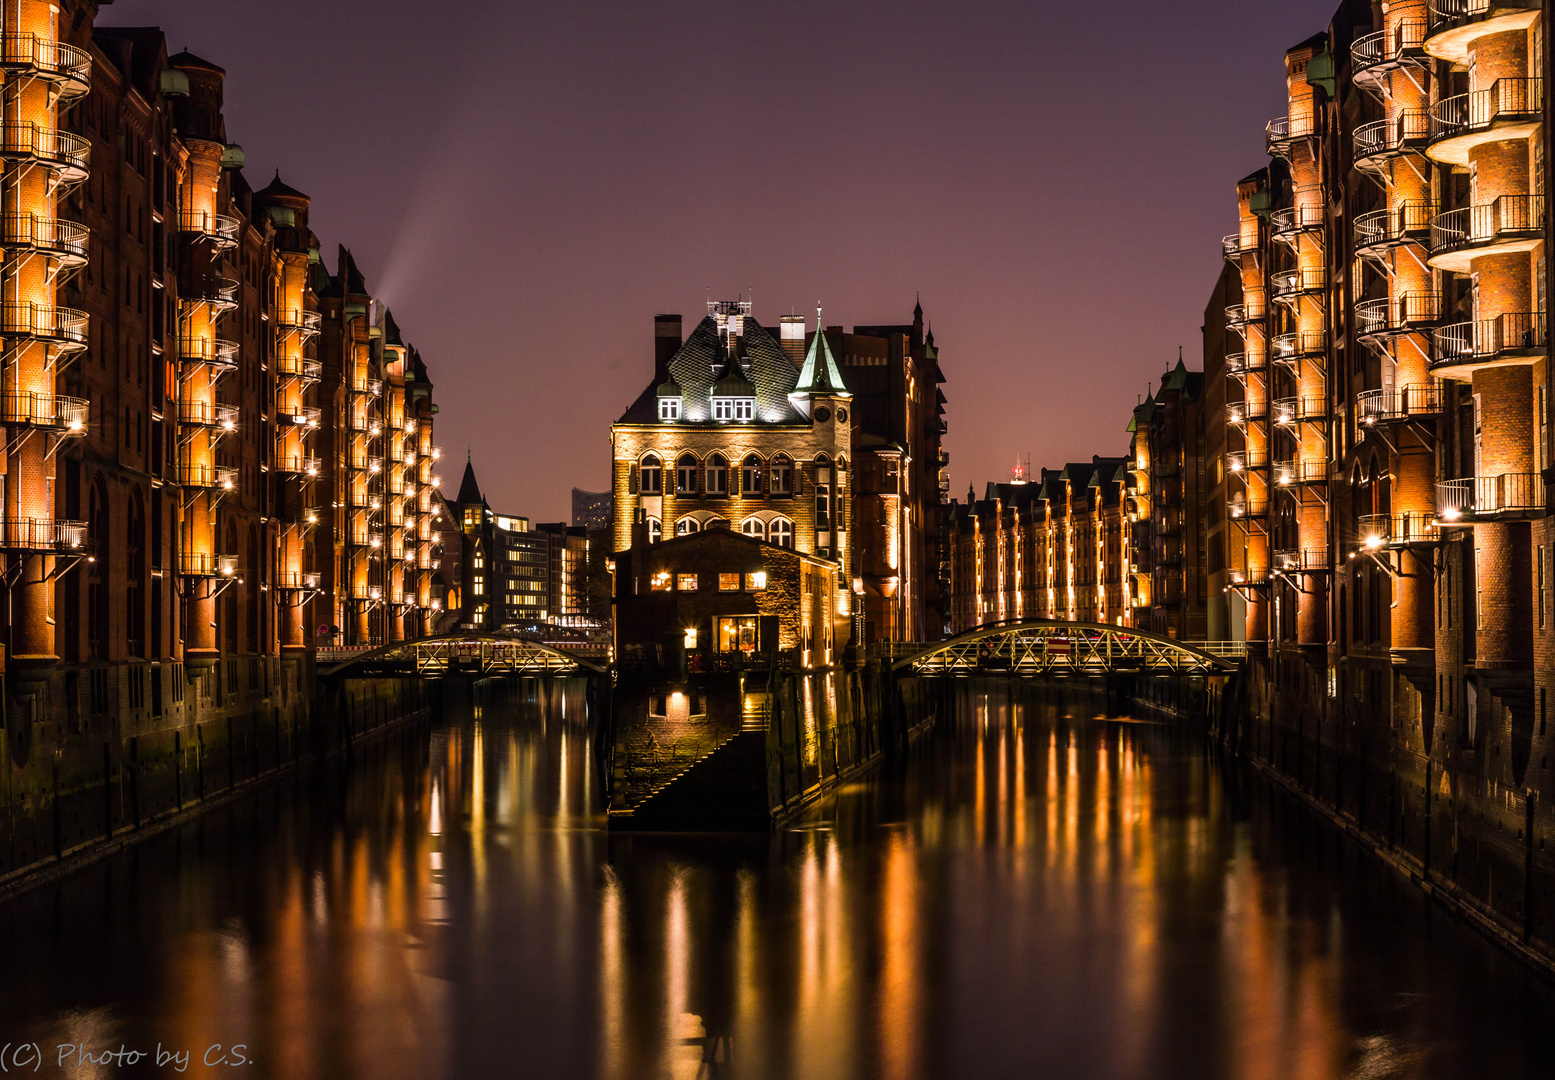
<point>718,475</point>
<point>655,530</point>
<point>781,479</point>
<point>685,476</point>
<point>686,526</point>
<point>750,475</point>
<point>754,528</point>
<point>780,531</point>
<point>652,476</point>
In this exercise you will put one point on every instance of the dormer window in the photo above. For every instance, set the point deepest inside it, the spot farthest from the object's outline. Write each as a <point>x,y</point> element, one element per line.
<point>669,408</point>
<point>734,408</point>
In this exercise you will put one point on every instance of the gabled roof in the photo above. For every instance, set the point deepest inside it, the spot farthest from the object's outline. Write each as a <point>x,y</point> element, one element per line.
<point>819,374</point>
<point>702,358</point>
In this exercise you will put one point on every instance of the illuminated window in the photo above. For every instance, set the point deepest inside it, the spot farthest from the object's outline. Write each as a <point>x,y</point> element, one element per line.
<point>750,475</point>
<point>686,582</point>
<point>756,581</point>
<point>652,475</point>
<point>479,585</point>
<point>660,582</point>
<point>744,408</point>
<point>669,408</point>
<point>728,582</point>
<point>737,634</point>
<point>780,480</point>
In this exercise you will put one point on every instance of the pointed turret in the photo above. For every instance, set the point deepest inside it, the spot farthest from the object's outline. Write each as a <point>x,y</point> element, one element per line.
<point>469,489</point>
<point>820,374</point>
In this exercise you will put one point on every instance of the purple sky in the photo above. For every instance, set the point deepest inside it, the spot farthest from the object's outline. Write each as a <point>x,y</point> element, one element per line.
<point>528,184</point>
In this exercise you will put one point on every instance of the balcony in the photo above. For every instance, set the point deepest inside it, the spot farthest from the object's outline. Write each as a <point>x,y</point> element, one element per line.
<point>1478,498</point>
<point>216,352</point>
<point>367,387</point>
<point>48,412</point>
<point>42,534</point>
<point>298,464</point>
<point>221,293</point>
<point>1509,340</point>
<point>205,414</point>
<point>1512,223</point>
<point>67,242</point>
<point>64,327</point>
<point>207,564</point>
<point>1455,24</point>
<point>1299,410</point>
<point>363,424</point>
<point>1292,347</point>
<point>214,477</point>
<point>1510,109</point>
<point>1244,412</point>
<point>1301,561</point>
<point>1379,142</point>
<point>1378,232</point>
<point>219,229</point>
<point>1292,473</point>
<point>1240,316</point>
<point>305,324</point>
<point>1396,530</point>
<point>1291,222</point>
<point>1291,285</point>
<point>1374,55</point>
<point>1283,132</point>
<point>1384,319</point>
<point>306,371</point>
<point>296,581</point>
<point>1241,363</point>
<point>68,67</point>
<point>1240,462</point>
<point>1397,405</point>
<point>1245,509</point>
<point>69,155</point>
<point>305,416</point>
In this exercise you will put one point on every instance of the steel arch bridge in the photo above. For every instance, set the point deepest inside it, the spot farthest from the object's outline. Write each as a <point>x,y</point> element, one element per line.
<point>1051,647</point>
<point>458,654</point>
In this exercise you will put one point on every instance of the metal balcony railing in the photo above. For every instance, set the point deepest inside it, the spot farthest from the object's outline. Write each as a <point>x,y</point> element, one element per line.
<point>1282,131</point>
<point>1293,220</point>
<point>367,387</point>
<point>207,564</point>
<point>68,154</point>
<point>294,321</point>
<point>1243,412</point>
<point>67,65</point>
<point>214,351</point>
<point>206,414</point>
<point>1375,53</point>
<point>1293,410</point>
<point>1410,313</point>
<point>1485,340</point>
<point>1380,140</point>
<point>301,416</point>
<point>1396,404</point>
<point>1396,530</point>
<point>1241,363</point>
<point>294,367</point>
<point>301,464</point>
<point>51,412</point>
<point>1377,231</point>
<point>42,534</point>
<point>1482,496</point>
<point>364,424</point>
<point>1239,462</point>
<point>1242,509</point>
<point>1291,347</point>
<point>1509,219</point>
<point>1451,14</point>
<point>1239,315</point>
<point>219,228</point>
<point>61,326</point>
<point>1289,473</point>
<point>68,241</point>
<point>1507,101</point>
<point>218,477</point>
<point>296,581</point>
<point>1301,561</point>
<point>1290,285</point>
<point>220,292</point>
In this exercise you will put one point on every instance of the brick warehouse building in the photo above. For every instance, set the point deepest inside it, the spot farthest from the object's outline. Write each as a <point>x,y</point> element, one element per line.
<point>825,442</point>
<point>216,447</point>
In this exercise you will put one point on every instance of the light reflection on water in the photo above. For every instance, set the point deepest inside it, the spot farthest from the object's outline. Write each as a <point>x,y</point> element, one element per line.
<point>1039,892</point>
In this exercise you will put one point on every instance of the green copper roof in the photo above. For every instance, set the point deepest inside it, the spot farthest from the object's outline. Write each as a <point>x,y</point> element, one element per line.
<point>820,374</point>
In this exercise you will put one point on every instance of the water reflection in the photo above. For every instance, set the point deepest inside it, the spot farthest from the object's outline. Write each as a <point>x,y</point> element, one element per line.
<point>1039,892</point>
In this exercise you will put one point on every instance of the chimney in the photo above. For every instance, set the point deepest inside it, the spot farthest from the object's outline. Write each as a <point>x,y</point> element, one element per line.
<point>666,342</point>
<point>793,337</point>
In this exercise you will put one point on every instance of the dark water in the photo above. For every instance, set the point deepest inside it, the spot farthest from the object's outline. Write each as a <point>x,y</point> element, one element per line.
<point>1039,893</point>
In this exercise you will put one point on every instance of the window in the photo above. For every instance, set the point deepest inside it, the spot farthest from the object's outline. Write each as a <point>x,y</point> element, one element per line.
<point>780,531</point>
<point>755,528</point>
<point>655,530</point>
<point>757,581</point>
<point>717,475</point>
<point>686,475</point>
<point>1540,579</point>
<point>723,408</point>
<point>781,478</point>
<point>686,582</point>
<point>734,408</point>
<point>669,408</point>
<point>744,408</point>
<point>728,582</point>
<point>660,581</point>
<point>750,475</point>
<point>687,526</point>
<point>737,634</point>
<point>480,585</point>
<point>823,507</point>
<point>652,475</point>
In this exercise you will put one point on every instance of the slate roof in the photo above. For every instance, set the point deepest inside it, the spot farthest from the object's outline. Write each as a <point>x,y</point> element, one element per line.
<point>469,489</point>
<point>701,360</point>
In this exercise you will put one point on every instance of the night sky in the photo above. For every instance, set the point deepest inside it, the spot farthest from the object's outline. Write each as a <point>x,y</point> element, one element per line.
<point>527,184</point>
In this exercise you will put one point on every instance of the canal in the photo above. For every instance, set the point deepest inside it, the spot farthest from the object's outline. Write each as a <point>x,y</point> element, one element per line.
<point>1041,891</point>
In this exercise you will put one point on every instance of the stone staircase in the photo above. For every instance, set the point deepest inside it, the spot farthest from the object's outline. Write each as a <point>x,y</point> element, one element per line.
<point>723,790</point>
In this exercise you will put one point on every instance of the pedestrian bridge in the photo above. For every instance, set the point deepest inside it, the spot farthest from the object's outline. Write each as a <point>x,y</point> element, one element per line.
<point>457,654</point>
<point>1050,647</point>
